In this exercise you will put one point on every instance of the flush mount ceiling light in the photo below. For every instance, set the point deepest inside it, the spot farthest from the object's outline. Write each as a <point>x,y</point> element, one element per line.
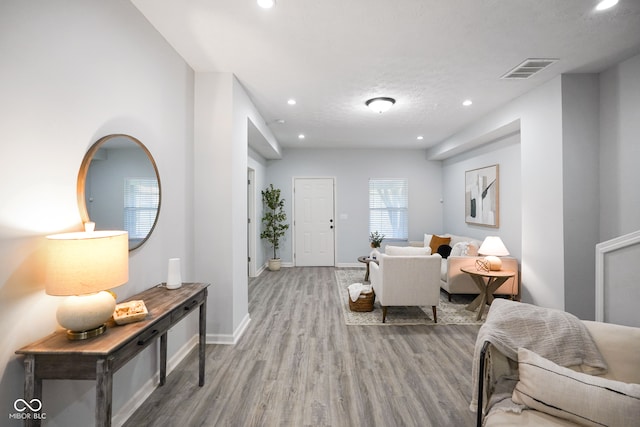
<point>291,101</point>
<point>380,104</point>
<point>467,102</point>
<point>266,4</point>
<point>606,4</point>
<point>301,136</point>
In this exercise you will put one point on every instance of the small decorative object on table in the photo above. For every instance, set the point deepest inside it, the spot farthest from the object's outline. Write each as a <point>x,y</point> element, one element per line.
<point>129,312</point>
<point>376,239</point>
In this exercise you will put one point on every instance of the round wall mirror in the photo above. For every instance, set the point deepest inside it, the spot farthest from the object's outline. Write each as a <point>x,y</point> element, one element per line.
<point>119,187</point>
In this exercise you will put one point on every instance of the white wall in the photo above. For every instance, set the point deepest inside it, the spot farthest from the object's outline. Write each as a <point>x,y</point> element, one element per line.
<point>352,169</point>
<point>539,114</point>
<point>619,149</point>
<point>222,108</point>
<point>72,73</point>
<point>506,153</point>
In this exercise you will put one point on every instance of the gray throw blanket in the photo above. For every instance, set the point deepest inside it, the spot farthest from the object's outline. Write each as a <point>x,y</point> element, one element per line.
<point>553,334</point>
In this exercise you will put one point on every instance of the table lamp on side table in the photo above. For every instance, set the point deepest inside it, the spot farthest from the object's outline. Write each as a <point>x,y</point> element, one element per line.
<point>82,266</point>
<point>492,247</point>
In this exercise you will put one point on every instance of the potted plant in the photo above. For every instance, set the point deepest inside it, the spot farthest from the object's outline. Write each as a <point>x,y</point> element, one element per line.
<point>274,222</point>
<point>376,239</point>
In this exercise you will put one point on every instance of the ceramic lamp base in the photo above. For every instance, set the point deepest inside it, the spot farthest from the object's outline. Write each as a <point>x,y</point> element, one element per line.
<point>84,316</point>
<point>495,263</point>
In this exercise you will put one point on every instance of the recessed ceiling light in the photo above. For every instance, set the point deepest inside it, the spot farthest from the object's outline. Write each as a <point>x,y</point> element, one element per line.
<point>291,101</point>
<point>301,136</point>
<point>606,4</point>
<point>420,138</point>
<point>266,4</point>
<point>380,104</point>
<point>467,102</point>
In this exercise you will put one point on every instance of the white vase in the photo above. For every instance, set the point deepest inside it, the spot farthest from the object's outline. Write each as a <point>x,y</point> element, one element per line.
<point>374,253</point>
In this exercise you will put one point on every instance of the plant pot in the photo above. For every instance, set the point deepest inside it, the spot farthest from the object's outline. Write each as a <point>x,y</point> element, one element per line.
<point>274,264</point>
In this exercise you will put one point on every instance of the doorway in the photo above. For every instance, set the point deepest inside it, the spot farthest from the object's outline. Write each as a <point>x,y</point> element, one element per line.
<point>314,224</point>
<point>251,223</point>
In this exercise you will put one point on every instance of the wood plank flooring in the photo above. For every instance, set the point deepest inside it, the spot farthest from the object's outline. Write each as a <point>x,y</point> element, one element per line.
<point>298,364</point>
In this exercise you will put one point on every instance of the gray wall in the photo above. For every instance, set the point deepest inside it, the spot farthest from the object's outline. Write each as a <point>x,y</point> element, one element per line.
<point>580,175</point>
<point>620,149</point>
<point>352,170</point>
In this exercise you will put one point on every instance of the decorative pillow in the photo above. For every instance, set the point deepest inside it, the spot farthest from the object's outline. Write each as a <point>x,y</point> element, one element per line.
<point>406,250</point>
<point>427,239</point>
<point>437,241</point>
<point>464,249</point>
<point>575,396</point>
<point>444,251</point>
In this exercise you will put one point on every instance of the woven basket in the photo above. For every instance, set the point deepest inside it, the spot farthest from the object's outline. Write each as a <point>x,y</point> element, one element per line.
<point>364,303</point>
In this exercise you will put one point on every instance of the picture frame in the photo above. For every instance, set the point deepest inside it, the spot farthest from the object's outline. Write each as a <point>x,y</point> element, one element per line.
<point>482,201</point>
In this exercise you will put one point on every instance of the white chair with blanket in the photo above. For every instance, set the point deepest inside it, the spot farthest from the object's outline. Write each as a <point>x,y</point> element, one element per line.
<point>406,280</point>
<point>536,366</point>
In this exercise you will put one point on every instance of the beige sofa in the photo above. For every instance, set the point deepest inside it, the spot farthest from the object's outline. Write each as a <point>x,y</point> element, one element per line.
<point>464,253</point>
<point>620,348</point>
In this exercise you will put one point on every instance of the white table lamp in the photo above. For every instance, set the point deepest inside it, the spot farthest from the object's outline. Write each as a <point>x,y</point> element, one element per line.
<point>492,247</point>
<point>82,266</point>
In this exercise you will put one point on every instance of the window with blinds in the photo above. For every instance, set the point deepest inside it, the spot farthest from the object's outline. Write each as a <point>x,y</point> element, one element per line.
<point>389,208</point>
<point>141,201</point>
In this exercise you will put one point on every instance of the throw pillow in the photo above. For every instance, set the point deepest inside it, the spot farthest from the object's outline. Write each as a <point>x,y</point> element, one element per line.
<point>444,251</point>
<point>459,249</point>
<point>427,239</point>
<point>575,396</point>
<point>406,250</point>
<point>437,241</point>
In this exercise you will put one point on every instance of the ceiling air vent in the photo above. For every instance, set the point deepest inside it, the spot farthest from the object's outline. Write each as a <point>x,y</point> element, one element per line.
<point>528,68</point>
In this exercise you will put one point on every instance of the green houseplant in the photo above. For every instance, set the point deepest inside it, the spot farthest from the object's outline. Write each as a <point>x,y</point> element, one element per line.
<point>274,222</point>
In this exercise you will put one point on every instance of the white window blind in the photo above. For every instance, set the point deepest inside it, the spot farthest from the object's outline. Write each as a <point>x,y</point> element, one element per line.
<point>141,201</point>
<point>389,208</point>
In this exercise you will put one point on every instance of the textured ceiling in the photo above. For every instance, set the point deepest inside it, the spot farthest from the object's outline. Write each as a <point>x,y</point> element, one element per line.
<point>430,55</point>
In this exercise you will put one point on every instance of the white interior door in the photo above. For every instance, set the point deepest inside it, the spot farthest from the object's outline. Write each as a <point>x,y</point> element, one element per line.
<point>314,225</point>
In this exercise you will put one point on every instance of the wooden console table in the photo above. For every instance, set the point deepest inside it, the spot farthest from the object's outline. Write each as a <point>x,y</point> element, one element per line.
<point>55,357</point>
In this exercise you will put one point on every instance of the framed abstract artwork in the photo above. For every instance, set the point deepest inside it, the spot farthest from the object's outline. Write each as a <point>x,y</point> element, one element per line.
<point>481,203</point>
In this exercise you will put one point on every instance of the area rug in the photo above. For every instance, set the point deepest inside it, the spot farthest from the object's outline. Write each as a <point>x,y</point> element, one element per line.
<point>449,313</point>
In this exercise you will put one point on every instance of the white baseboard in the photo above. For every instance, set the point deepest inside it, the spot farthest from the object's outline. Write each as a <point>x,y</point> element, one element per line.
<point>230,339</point>
<point>351,265</point>
<point>151,384</point>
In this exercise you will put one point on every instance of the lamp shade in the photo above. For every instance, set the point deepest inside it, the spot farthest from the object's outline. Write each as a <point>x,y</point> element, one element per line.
<point>87,262</point>
<point>492,245</point>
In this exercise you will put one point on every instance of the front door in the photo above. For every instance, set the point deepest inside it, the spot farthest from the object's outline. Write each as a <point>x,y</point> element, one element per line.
<point>314,225</point>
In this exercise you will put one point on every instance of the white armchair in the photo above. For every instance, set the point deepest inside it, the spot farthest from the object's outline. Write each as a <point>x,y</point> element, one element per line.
<point>406,281</point>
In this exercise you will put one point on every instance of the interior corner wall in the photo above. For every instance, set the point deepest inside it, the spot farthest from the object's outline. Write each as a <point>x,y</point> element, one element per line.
<point>540,116</point>
<point>221,159</point>
<point>619,149</point>
<point>581,176</point>
<point>213,198</point>
<point>506,153</point>
<point>71,73</point>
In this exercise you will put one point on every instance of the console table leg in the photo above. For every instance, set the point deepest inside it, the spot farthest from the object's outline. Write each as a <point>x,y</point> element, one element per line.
<point>32,388</point>
<point>163,358</point>
<point>203,338</point>
<point>104,390</point>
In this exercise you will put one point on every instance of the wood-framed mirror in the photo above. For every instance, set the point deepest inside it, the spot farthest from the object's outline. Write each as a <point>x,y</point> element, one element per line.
<point>119,187</point>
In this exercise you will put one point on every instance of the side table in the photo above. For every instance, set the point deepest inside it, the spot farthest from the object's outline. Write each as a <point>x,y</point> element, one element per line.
<point>367,260</point>
<point>493,282</point>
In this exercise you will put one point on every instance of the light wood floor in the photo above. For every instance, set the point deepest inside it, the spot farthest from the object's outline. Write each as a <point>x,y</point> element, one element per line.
<point>298,364</point>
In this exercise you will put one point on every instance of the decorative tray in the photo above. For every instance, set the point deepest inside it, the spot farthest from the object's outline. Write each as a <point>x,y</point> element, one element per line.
<point>128,312</point>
